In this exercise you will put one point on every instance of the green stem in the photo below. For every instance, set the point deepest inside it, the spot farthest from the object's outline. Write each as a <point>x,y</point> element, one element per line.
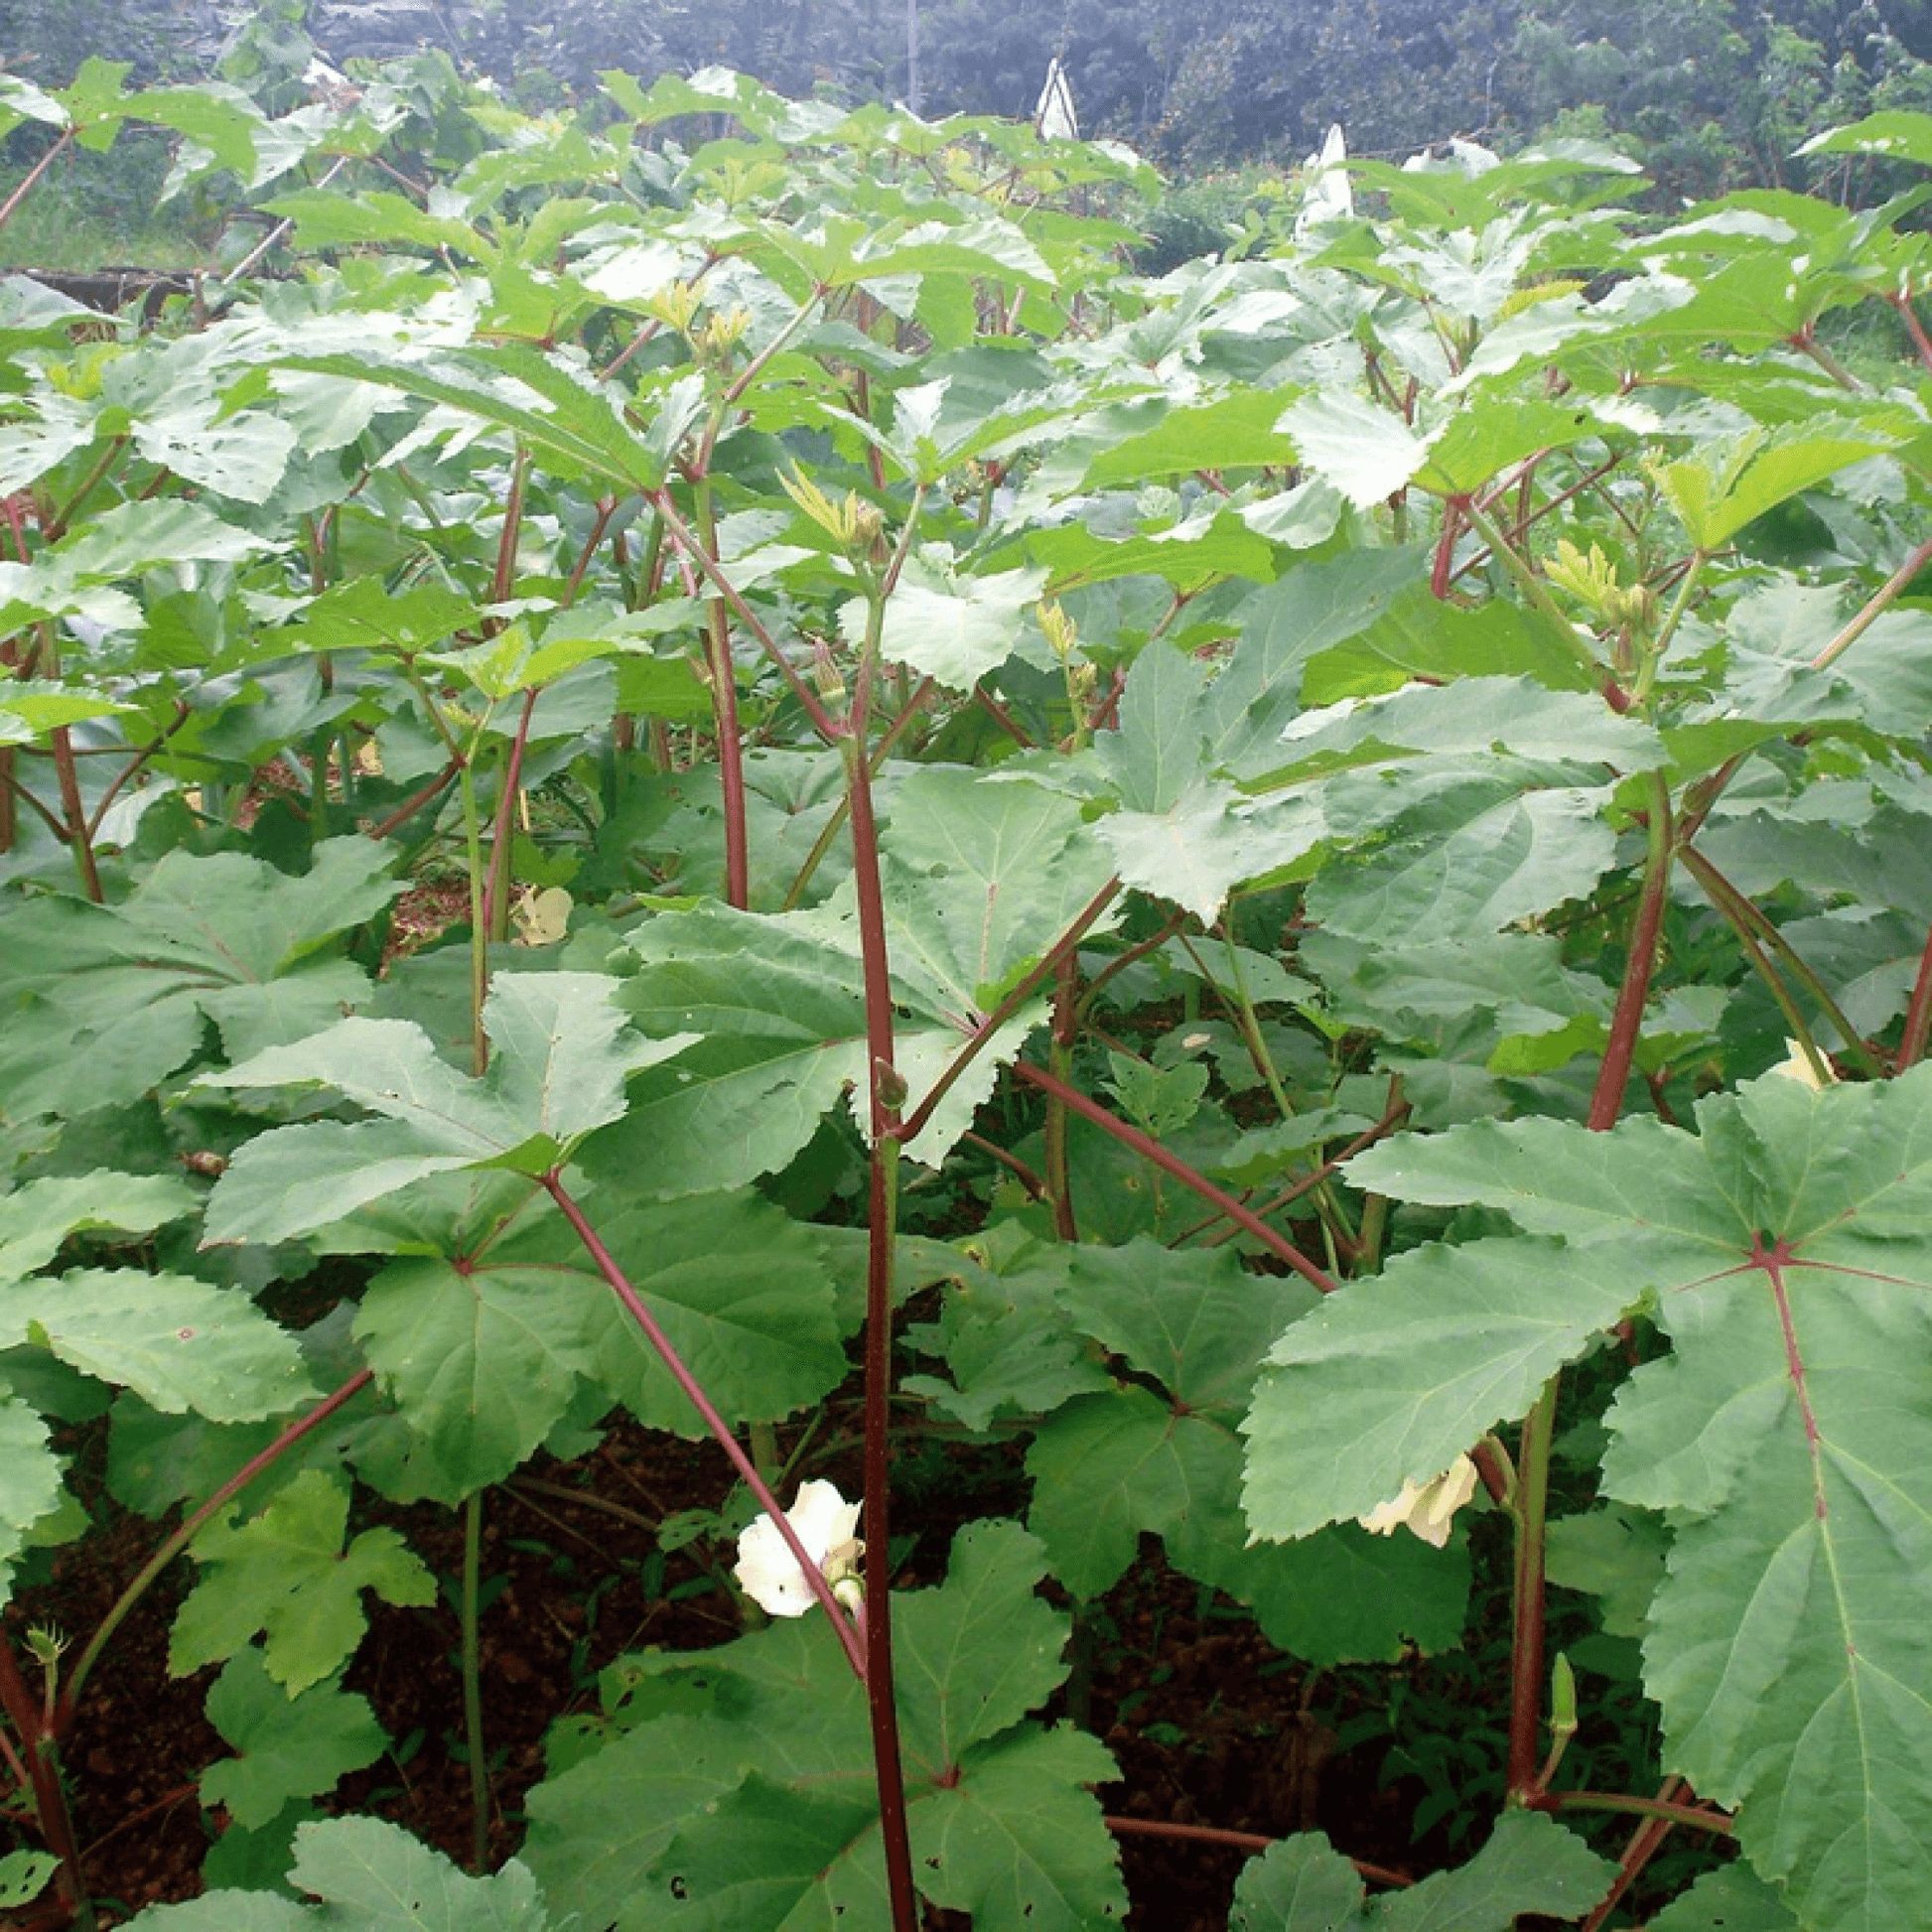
<point>496,888</point>
<point>835,823</point>
<point>1336,1228</point>
<point>1526,1652</point>
<point>57,525</point>
<point>1750,924</point>
<point>1809,344</point>
<point>1654,656</point>
<point>473,1724</point>
<point>479,912</point>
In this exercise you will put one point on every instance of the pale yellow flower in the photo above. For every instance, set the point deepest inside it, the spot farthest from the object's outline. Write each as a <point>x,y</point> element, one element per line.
<point>1427,1509</point>
<point>1798,1069</point>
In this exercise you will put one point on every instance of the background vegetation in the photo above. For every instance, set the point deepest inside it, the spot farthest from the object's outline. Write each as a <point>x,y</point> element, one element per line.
<point>1711,94</point>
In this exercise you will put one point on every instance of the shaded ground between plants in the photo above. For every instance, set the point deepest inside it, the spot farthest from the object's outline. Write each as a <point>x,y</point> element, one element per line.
<point>1212,1727</point>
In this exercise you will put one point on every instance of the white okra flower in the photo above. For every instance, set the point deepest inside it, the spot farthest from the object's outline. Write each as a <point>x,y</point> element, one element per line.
<point>823,1521</point>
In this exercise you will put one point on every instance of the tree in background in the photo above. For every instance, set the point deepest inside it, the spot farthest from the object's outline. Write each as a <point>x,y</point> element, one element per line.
<point>1399,75</point>
<point>1709,94</point>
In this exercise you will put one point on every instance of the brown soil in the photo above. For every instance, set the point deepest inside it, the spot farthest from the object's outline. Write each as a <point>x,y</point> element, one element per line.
<point>1210,1726</point>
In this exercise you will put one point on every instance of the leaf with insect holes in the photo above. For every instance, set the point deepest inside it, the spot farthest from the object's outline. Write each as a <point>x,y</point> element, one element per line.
<point>179,1344</point>
<point>560,1051</point>
<point>1530,1865</point>
<point>24,1876</point>
<point>1787,1436</point>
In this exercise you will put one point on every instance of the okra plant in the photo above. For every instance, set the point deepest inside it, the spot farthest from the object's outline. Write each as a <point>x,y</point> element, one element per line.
<point>1354,816</point>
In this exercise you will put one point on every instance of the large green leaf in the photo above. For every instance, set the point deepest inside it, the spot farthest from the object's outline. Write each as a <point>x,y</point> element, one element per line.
<point>953,629</point>
<point>560,1049</point>
<point>1722,487</point>
<point>1782,1248</point>
<point>981,879</point>
<point>481,1354</point>
<point>371,1876</point>
<point>1110,1466</point>
<point>778,1002</point>
<point>1019,1838</point>
<point>742,1292</point>
<point>38,1215</point>
<point>30,1485</point>
<point>972,1659</point>
<point>1366,452</point>
<point>1392,1378</point>
<point>176,1342</point>
<point>1179,831</point>
<point>540,402</point>
<point>118,995</point>
<point>1467,870</point>
<point>760,1812</point>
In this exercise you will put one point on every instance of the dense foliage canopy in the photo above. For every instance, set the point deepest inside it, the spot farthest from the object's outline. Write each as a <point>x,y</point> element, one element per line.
<point>1323,856</point>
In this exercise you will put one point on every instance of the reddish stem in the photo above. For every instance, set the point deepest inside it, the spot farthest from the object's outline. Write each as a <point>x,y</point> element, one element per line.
<point>1918,1015</point>
<point>1151,1150</point>
<point>37,1743</point>
<point>693,552</point>
<point>885,1091</point>
<point>190,1529</point>
<point>35,172</point>
<point>1626,1022</point>
<point>417,799</point>
<point>1241,1840</point>
<point>620,1284</point>
<point>1047,964</point>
